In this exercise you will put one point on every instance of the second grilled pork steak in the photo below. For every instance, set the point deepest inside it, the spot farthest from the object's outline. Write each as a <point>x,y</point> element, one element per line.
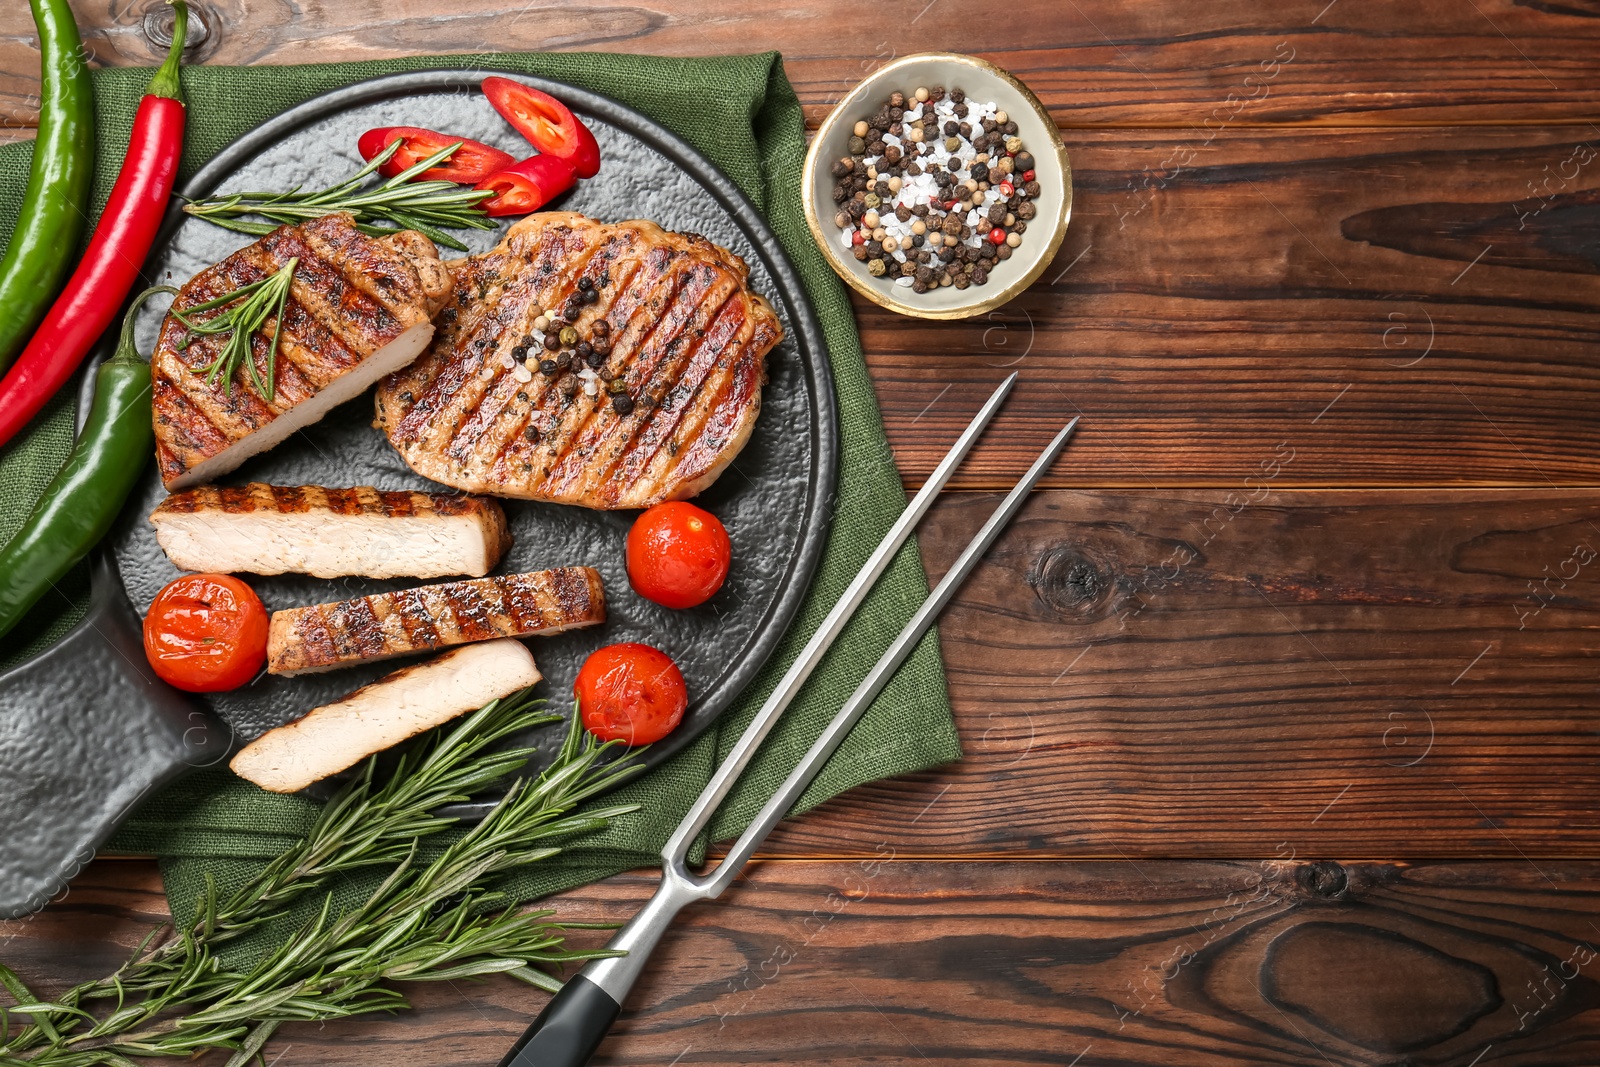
<point>687,340</point>
<point>274,529</point>
<point>325,636</point>
<point>398,706</point>
<point>359,308</point>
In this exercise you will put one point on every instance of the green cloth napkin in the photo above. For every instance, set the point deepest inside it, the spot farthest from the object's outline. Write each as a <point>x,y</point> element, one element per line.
<point>743,114</point>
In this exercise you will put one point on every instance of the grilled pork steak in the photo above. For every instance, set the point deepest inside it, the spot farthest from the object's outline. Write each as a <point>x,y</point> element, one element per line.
<point>655,414</point>
<point>325,636</point>
<point>274,529</point>
<point>329,739</point>
<point>359,308</point>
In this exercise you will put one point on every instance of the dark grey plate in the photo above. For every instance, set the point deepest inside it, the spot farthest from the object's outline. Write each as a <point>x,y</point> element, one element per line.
<point>775,499</point>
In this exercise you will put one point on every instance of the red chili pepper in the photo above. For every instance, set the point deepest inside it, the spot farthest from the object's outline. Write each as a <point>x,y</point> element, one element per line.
<point>1007,190</point>
<point>115,255</point>
<point>470,163</point>
<point>527,186</point>
<point>547,122</point>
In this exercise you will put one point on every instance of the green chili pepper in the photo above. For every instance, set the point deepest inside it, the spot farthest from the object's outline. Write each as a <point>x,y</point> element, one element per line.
<point>83,499</point>
<point>55,208</point>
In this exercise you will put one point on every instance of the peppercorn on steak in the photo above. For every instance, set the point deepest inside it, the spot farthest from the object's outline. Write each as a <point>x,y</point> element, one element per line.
<point>358,308</point>
<point>370,628</point>
<point>609,366</point>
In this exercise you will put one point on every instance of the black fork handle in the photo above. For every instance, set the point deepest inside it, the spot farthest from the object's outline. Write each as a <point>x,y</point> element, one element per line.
<point>569,1029</point>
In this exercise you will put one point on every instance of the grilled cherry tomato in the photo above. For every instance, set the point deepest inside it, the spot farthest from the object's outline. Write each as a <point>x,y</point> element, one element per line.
<point>678,555</point>
<point>632,693</point>
<point>547,122</point>
<point>526,186</point>
<point>206,633</point>
<point>472,162</point>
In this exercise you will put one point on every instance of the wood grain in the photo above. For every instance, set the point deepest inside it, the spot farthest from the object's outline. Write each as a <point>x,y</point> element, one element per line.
<point>1259,672</point>
<point>1093,62</point>
<point>1410,307</point>
<point>887,961</point>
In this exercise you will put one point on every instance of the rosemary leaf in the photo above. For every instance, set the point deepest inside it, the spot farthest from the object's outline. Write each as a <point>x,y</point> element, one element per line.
<point>244,311</point>
<point>429,207</point>
<point>432,919</point>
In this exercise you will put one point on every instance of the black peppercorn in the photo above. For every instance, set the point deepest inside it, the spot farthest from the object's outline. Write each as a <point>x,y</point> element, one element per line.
<point>622,403</point>
<point>585,284</point>
<point>547,367</point>
<point>951,127</point>
<point>519,353</point>
<point>595,358</point>
<point>958,96</point>
<point>980,172</point>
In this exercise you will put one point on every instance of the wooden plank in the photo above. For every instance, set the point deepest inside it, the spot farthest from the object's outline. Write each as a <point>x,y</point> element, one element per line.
<point>1407,307</point>
<point>1094,62</point>
<point>905,962</point>
<point>1259,671</point>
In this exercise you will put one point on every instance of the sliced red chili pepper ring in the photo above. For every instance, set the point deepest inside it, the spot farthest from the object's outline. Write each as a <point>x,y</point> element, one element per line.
<point>470,163</point>
<point>546,122</point>
<point>526,186</point>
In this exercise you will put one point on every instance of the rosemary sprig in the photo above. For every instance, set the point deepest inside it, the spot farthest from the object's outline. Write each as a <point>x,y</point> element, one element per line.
<point>428,920</point>
<point>247,309</point>
<point>399,203</point>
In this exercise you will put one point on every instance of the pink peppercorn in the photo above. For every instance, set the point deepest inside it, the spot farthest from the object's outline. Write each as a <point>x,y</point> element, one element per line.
<point>997,236</point>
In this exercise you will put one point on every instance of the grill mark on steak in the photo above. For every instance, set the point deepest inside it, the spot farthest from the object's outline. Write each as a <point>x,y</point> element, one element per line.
<point>390,624</point>
<point>672,413</point>
<point>661,361</point>
<point>725,417</point>
<point>415,622</point>
<point>673,302</point>
<point>330,325</point>
<point>643,317</point>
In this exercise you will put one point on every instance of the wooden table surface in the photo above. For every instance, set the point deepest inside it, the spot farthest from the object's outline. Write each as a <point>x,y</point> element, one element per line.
<point>1280,703</point>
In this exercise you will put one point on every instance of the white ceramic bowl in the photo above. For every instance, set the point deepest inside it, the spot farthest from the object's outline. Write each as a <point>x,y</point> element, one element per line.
<point>981,81</point>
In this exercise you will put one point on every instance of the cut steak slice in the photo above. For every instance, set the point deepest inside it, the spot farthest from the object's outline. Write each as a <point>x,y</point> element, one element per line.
<point>398,706</point>
<point>309,529</point>
<point>656,418</point>
<point>359,307</point>
<point>325,636</point>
